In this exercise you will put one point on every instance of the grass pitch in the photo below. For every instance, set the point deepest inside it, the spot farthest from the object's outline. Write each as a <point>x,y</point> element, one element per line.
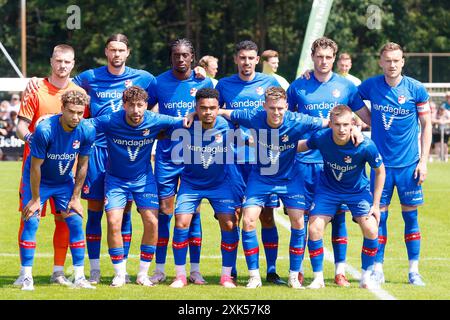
<point>434,220</point>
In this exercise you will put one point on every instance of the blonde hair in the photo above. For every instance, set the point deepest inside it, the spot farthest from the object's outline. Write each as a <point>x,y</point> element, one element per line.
<point>390,46</point>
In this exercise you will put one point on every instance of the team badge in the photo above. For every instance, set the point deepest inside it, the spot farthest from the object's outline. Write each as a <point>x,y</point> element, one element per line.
<point>128,83</point>
<point>348,159</point>
<point>401,99</point>
<point>76,144</point>
<point>219,138</point>
<point>260,91</point>
<point>193,92</point>
<point>336,93</point>
<point>285,138</point>
<point>146,132</point>
<point>86,189</point>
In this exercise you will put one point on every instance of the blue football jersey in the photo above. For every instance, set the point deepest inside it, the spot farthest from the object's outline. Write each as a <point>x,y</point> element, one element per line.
<point>106,89</point>
<point>276,148</point>
<point>59,149</point>
<point>176,98</point>
<point>344,168</point>
<point>317,98</point>
<point>237,94</point>
<point>129,148</point>
<point>395,117</point>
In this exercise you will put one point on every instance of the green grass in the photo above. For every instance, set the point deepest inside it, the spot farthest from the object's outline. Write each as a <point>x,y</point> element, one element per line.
<point>435,256</point>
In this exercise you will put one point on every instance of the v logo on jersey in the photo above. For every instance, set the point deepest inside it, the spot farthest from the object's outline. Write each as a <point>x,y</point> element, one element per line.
<point>133,155</point>
<point>115,108</point>
<point>387,123</point>
<point>206,162</point>
<point>339,176</point>
<point>274,156</point>
<point>63,170</point>
<point>321,115</point>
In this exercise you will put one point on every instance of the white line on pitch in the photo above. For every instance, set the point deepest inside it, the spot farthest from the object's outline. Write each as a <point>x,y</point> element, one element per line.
<point>380,293</point>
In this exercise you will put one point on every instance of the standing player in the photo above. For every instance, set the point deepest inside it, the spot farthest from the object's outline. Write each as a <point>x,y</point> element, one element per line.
<point>175,95</point>
<point>57,143</point>
<point>208,175</point>
<point>344,64</point>
<point>210,64</point>
<point>316,95</point>
<point>344,181</point>
<point>277,134</point>
<point>270,66</point>
<point>130,134</point>
<point>245,90</point>
<point>35,107</point>
<point>399,107</point>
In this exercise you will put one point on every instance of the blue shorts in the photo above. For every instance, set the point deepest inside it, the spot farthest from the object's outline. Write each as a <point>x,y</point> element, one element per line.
<point>222,198</point>
<point>245,169</point>
<point>258,192</point>
<point>167,176</point>
<point>60,194</point>
<point>311,175</point>
<point>327,203</point>
<point>409,193</point>
<point>119,191</point>
<point>94,185</point>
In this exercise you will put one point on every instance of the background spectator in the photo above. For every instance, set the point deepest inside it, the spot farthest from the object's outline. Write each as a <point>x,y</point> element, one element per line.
<point>441,124</point>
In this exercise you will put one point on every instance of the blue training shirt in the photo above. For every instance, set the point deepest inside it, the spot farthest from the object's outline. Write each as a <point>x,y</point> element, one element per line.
<point>395,117</point>
<point>106,90</point>
<point>129,147</point>
<point>276,148</point>
<point>344,168</point>
<point>59,149</point>
<point>317,98</point>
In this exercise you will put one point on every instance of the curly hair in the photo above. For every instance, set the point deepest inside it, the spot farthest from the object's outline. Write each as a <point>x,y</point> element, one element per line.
<point>324,43</point>
<point>134,93</point>
<point>74,97</point>
<point>275,93</point>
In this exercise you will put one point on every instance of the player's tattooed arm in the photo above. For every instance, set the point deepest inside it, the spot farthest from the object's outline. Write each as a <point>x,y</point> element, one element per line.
<point>80,176</point>
<point>35,180</point>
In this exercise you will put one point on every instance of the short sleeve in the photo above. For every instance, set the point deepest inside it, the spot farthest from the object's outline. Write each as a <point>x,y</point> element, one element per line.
<point>373,157</point>
<point>40,141</point>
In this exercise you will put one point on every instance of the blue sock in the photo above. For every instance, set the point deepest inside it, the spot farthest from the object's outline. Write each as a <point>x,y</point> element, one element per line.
<point>127,232</point>
<point>163,237</point>
<point>251,249</point>
<point>180,245</point>
<point>116,255</point>
<point>368,253</point>
<point>339,237</point>
<point>94,233</point>
<point>195,238</point>
<point>228,247</point>
<point>76,239</point>
<point>269,237</point>
<point>306,219</point>
<point>382,236</point>
<point>147,252</point>
<point>412,234</point>
<point>234,272</point>
<point>27,242</point>
<point>296,250</point>
<point>315,249</point>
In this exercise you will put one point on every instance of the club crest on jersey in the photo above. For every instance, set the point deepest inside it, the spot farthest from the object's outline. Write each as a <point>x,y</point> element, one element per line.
<point>193,91</point>
<point>348,159</point>
<point>146,132</point>
<point>128,83</point>
<point>260,91</point>
<point>285,138</point>
<point>219,138</point>
<point>76,144</point>
<point>336,93</point>
<point>86,189</point>
<point>401,99</point>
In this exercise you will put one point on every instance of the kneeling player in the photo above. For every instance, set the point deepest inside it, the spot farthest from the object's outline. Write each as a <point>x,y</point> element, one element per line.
<point>56,144</point>
<point>344,181</point>
<point>206,175</point>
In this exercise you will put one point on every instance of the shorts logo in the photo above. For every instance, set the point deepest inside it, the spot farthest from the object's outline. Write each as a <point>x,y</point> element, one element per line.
<point>128,83</point>
<point>146,132</point>
<point>76,144</point>
<point>193,91</point>
<point>219,138</point>
<point>285,138</point>
<point>401,99</point>
<point>106,201</point>
<point>363,205</point>
<point>348,159</point>
<point>63,170</point>
<point>336,93</point>
<point>313,205</point>
<point>86,189</point>
<point>260,91</point>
